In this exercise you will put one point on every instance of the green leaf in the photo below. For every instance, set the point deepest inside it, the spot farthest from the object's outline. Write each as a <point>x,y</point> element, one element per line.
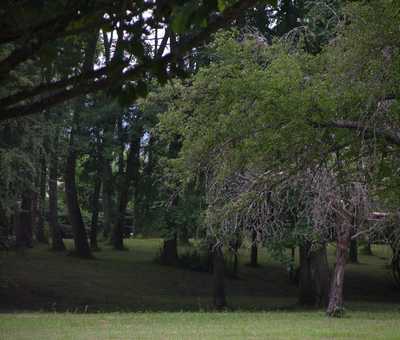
<point>221,5</point>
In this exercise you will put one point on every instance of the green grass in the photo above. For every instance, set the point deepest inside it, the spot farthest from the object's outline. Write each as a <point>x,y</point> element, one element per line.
<point>126,295</point>
<point>187,325</point>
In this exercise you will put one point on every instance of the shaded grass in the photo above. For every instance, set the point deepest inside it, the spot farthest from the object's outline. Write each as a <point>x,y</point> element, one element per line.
<point>132,281</point>
<point>126,295</point>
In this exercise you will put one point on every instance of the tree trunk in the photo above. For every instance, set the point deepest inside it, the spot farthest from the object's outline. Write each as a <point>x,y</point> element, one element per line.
<point>23,232</point>
<point>4,228</point>
<point>107,197</point>
<point>235,245</point>
<point>210,257</point>
<point>82,248</point>
<point>320,276</point>
<point>39,222</point>
<point>335,307</point>
<point>306,293</point>
<point>95,214</point>
<point>353,254</point>
<point>57,243</point>
<point>131,174</point>
<point>184,236</point>
<point>313,276</point>
<point>254,250</point>
<point>169,254</point>
<point>219,278</point>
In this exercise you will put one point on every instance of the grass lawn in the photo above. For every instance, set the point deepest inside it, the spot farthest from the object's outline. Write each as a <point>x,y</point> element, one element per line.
<point>126,295</point>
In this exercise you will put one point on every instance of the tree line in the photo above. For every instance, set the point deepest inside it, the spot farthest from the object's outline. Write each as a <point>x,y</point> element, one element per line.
<point>282,131</point>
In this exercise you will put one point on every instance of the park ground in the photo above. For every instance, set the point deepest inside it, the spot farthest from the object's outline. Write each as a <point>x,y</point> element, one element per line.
<point>127,295</point>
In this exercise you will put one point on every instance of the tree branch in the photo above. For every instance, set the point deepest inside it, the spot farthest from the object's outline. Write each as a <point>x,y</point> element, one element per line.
<point>389,134</point>
<point>45,96</point>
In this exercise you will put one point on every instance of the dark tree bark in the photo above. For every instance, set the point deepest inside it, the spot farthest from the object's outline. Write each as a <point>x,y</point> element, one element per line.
<point>335,307</point>
<point>39,222</point>
<point>353,254</point>
<point>131,175</point>
<point>320,276</point>
<point>219,297</point>
<point>169,253</point>
<point>107,196</point>
<point>254,250</point>
<point>234,248</point>
<point>4,227</point>
<point>95,214</point>
<point>210,257</point>
<point>306,293</point>
<point>82,248</point>
<point>313,276</point>
<point>24,230</point>
<point>184,236</point>
<point>57,243</point>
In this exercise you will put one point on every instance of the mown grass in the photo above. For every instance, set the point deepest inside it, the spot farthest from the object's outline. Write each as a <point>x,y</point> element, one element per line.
<point>194,325</point>
<point>127,295</point>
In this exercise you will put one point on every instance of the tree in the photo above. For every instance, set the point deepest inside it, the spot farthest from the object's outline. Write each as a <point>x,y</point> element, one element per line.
<point>57,243</point>
<point>128,176</point>
<point>32,39</point>
<point>82,248</point>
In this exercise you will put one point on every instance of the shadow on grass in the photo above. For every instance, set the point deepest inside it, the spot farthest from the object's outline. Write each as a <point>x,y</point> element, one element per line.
<point>131,281</point>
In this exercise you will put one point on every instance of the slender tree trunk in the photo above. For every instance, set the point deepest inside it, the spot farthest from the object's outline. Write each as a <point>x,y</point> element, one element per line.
<point>99,160</point>
<point>131,174</point>
<point>169,254</point>
<point>82,248</point>
<point>17,230</point>
<point>254,250</point>
<point>235,245</point>
<point>353,254</point>
<point>145,191</point>
<point>184,236</point>
<point>4,228</point>
<point>24,230</point>
<point>219,278</point>
<point>107,197</point>
<point>117,235</point>
<point>35,214</point>
<point>335,307</point>
<point>39,223</point>
<point>57,243</point>
<point>117,231</point>
<point>210,257</point>
<point>95,214</point>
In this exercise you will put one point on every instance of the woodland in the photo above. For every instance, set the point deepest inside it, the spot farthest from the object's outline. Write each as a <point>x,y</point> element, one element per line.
<point>211,158</point>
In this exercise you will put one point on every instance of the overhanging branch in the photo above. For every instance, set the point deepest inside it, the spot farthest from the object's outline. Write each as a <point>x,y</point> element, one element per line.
<point>45,96</point>
<point>391,135</point>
